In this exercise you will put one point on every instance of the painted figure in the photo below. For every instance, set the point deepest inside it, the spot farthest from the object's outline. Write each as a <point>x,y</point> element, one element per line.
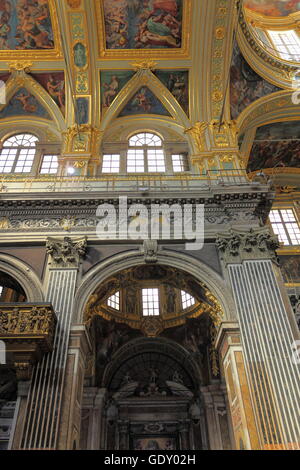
<point>135,24</point>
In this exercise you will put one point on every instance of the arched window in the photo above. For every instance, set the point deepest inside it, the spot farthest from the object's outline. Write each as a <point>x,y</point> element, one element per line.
<point>17,154</point>
<point>145,154</point>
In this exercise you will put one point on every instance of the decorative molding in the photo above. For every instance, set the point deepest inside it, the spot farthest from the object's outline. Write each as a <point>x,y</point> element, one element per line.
<point>66,253</point>
<point>236,246</point>
<point>28,332</point>
<point>150,250</point>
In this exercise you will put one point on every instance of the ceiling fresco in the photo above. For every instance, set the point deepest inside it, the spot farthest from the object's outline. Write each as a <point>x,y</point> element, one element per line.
<point>177,82</point>
<point>135,24</point>
<point>276,145</point>
<point>144,102</point>
<point>277,8</point>
<point>246,86</point>
<point>25,25</point>
<point>54,84</point>
<point>23,103</point>
<point>112,82</point>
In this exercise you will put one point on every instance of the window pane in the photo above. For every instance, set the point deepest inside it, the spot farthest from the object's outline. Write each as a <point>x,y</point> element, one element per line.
<point>25,161</point>
<point>7,158</point>
<point>156,161</point>
<point>145,138</point>
<point>114,301</point>
<point>285,225</point>
<point>111,164</point>
<point>150,298</point>
<point>187,300</point>
<point>21,140</point>
<point>180,163</point>
<point>49,165</point>
<point>287,44</point>
<point>135,161</point>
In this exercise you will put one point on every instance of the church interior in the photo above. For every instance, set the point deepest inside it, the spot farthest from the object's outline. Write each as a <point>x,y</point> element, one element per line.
<point>116,331</point>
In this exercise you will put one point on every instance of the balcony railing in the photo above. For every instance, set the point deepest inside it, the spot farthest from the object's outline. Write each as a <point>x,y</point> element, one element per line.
<point>27,333</point>
<point>125,183</point>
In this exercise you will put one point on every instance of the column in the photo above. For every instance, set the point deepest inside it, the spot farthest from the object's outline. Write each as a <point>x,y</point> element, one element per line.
<point>216,417</point>
<point>228,342</point>
<point>94,404</point>
<point>70,421</point>
<point>268,331</point>
<point>42,417</point>
<point>123,428</point>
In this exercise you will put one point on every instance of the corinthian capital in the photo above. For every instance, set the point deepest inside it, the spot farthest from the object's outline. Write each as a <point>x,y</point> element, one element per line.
<point>237,246</point>
<point>67,252</point>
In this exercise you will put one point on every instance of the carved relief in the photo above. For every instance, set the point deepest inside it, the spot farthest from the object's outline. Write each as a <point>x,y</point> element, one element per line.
<point>66,252</point>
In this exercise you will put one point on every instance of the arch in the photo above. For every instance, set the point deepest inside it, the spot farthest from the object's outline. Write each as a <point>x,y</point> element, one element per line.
<point>163,346</point>
<point>147,78</point>
<point>271,108</point>
<point>25,276</point>
<point>103,270</point>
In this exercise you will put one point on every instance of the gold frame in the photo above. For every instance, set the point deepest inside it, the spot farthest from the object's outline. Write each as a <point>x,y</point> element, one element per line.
<point>132,54</point>
<point>39,54</point>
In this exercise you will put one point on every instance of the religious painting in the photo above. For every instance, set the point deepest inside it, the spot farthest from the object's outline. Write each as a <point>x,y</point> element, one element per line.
<point>54,84</point>
<point>276,145</point>
<point>290,268</point>
<point>155,443</point>
<point>146,24</point>
<point>80,55</point>
<point>82,111</point>
<point>245,85</point>
<point>273,7</point>
<point>112,82</point>
<point>177,82</point>
<point>23,103</point>
<point>25,25</point>
<point>144,102</point>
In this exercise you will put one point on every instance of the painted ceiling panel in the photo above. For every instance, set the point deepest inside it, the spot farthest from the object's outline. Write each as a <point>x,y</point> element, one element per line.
<point>135,24</point>
<point>276,145</point>
<point>25,25</point>
<point>273,7</point>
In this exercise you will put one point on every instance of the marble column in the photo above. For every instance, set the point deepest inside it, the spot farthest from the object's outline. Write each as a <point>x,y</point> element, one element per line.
<point>244,426</point>
<point>268,332</point>
<point>43,411</point>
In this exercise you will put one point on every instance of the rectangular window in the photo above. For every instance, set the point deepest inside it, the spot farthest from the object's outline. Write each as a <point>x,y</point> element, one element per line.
<point>180,163</point>
<point>7,158</point>
<point>150,302</point>
<point>1,291</point>
<point>156,161</point>
<point>114,301</point>
<point>187,300</point>
<point>135,161</point>
<point>111,164</point>
<point>25,160</point>
<point>49,165</point>
<point>285,225</point>
<point>287,44</point>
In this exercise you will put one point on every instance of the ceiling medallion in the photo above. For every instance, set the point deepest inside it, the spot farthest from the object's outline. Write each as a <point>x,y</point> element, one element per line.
<point>152,326</point>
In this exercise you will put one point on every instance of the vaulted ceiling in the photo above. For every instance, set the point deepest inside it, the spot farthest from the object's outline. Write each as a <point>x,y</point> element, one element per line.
<point>178,64</point>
